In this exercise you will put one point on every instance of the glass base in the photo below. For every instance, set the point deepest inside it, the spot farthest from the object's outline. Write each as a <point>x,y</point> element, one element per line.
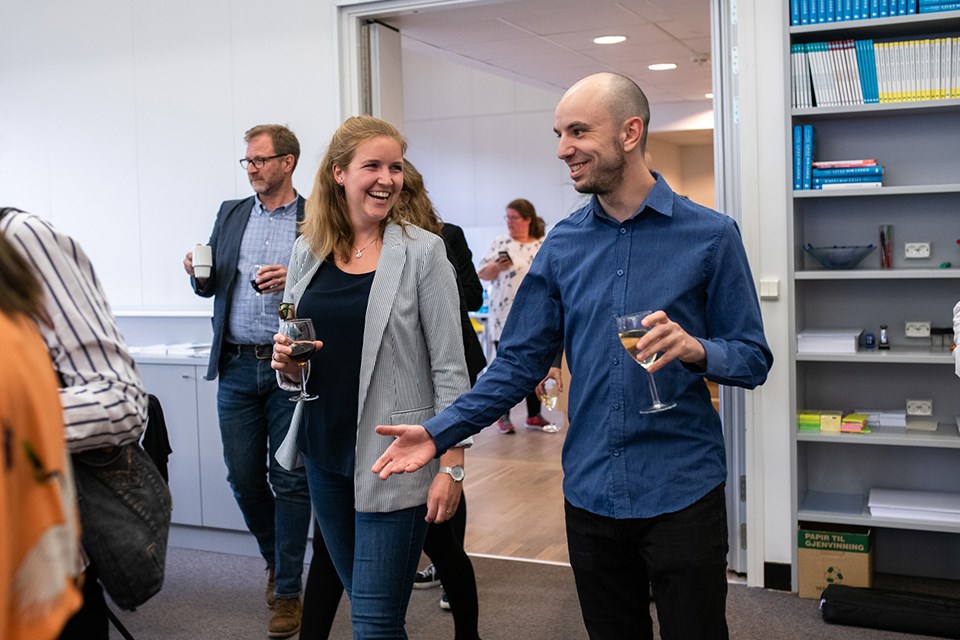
<point>303,396</point>
<point>657,408</point>
<point>550,428</point>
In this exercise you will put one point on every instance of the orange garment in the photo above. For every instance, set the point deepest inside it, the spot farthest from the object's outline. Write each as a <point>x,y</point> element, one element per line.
<point>39,531</point>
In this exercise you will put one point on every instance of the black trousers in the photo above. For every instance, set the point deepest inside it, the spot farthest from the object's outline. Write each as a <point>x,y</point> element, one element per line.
<point>444,546</point>
<point>683,555</point>
<point>90,622</point>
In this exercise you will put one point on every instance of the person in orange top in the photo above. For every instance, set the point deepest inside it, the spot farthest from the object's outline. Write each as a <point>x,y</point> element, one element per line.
<point>40,537</point>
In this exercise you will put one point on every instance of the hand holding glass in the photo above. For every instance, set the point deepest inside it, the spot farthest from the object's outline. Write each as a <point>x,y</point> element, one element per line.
<point>549,401</point>
<point>304,337</point>
<point>630,329</point>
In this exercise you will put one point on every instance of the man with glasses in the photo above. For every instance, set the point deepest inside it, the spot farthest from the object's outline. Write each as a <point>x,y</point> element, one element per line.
<point>251,244</point>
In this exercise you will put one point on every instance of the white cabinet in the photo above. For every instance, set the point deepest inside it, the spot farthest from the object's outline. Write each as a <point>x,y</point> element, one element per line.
<point>917,144</point>
<point>198,476</point>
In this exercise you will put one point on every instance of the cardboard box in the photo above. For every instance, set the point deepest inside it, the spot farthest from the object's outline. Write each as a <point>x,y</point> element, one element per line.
<point>833,554</point>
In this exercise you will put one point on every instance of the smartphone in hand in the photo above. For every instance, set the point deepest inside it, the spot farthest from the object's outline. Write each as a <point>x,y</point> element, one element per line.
<point>503,256</point>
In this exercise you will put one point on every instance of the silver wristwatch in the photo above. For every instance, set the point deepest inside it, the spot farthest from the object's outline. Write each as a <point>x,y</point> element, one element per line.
<point>455,472</point>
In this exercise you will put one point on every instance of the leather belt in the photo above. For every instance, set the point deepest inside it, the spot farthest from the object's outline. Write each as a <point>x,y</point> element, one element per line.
<point>258,351</point>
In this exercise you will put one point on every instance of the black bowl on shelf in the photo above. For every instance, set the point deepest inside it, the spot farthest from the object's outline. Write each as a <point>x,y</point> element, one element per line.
<point>839,257</point>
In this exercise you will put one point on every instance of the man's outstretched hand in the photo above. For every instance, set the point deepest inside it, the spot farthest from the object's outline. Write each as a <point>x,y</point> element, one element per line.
<point>412,449</point>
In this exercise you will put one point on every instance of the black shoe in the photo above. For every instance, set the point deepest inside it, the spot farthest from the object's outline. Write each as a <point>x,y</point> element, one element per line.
<point>427,578</point>
<point>444,603</point>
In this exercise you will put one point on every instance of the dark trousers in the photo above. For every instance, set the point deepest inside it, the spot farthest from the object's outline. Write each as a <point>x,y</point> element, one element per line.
<point>683,555</point>
<point>444,546</point>
<point>90,622</point>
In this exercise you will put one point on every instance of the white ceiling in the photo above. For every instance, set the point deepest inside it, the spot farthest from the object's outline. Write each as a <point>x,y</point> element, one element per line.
<point>549,43</point>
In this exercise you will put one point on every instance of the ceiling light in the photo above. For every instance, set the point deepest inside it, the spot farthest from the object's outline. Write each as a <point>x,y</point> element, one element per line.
<point>708,96</point>
<point>609,39</point>
<point>663,66</point>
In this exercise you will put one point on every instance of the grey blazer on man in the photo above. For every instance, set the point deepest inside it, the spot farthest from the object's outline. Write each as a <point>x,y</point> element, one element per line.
<point>412,365</point>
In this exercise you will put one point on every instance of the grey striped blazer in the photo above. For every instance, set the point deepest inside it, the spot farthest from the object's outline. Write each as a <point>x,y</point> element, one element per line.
<point>412,365</point>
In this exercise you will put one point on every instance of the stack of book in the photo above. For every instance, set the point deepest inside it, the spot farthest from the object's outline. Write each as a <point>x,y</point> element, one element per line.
<point>817,11</point>
<point>855,72</point>
<point>828,340</point>
<point>838,174</point>
<point>854,423</point>
<point>934,6</point>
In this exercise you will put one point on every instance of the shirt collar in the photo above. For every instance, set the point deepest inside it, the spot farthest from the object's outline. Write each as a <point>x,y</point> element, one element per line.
<point>660,200</point>
<point>282,210</point>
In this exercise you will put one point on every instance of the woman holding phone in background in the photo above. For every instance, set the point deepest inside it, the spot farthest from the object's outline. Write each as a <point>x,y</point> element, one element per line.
<point>504,266</point>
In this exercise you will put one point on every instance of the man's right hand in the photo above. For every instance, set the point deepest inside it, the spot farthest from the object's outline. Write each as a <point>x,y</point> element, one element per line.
<point>188,267</point>
<point>412,449</point>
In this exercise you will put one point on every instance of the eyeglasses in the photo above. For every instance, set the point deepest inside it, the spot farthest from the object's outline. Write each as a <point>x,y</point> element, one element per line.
<point>259,162</point>
<point>512,218</point>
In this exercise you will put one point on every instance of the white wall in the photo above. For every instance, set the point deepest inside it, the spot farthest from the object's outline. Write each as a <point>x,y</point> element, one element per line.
<point>122,122</point>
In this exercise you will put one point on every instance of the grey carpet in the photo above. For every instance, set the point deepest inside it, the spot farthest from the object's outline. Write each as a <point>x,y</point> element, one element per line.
<point>211,595</point>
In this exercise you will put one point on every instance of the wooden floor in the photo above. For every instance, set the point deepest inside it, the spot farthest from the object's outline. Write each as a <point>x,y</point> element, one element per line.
<point>514,493</point>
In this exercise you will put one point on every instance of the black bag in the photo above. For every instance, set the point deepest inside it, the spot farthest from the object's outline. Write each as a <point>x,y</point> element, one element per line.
<point>125,515</point>
<point>891,610</point>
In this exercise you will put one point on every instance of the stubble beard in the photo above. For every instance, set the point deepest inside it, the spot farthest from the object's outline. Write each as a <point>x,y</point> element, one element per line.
<point>608,175</point>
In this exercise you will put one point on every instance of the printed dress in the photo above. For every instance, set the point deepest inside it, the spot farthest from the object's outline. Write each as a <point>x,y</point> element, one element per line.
<point>504,289</point>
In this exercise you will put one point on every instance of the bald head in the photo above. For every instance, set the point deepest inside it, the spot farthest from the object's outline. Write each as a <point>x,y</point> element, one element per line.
<point>619,95</point>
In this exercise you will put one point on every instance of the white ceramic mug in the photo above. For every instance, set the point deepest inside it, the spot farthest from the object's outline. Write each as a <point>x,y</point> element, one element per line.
<point>202,260</point>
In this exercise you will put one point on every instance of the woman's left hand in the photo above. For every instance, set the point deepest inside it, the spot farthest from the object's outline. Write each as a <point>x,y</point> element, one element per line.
<point>443,498</point>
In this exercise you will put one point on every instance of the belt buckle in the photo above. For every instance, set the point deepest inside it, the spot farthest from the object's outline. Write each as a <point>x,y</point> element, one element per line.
<point>263,351</point>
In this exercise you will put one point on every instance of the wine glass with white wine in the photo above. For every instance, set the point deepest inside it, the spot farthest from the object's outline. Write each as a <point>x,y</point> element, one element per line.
<point>551,394</point>
<point>304,337</point>
<point>630,329</point>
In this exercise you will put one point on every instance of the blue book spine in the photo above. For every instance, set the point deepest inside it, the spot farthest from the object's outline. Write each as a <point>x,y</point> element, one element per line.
<point>870,63</point>
<point>848,10</point>
<point>815,11</point>
<point>819,182</point>
<point>951,6</point>
<point>848,172</point>
<point>804,11</point>
<point>797,157</point>
<point>911,7</point>
<point>794,12</point>
<point>874,8</point>
<point>884,8</point>
<point>831,11</point>
<point>857,8</point>
<point>935,3</point>
<point>807,156</point>
<point>901,7</point>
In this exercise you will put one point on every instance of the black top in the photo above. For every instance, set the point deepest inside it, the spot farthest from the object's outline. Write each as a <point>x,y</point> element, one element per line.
<point>337,304</point>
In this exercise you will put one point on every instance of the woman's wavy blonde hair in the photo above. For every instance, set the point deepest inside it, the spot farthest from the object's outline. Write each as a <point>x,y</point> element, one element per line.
<point>326,223</point>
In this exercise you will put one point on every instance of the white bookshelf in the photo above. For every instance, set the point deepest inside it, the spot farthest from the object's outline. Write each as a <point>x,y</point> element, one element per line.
<point>917,143</point>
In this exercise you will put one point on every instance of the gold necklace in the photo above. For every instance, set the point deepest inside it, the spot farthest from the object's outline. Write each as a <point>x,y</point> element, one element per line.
<point>359,253</point>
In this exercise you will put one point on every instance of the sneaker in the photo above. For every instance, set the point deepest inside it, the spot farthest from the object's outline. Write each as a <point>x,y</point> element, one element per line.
<point>285,619</point>
<point>504,426</point>
<point>270,591</point>
<point>537,422</point>
<point>427,578</point>
<point>444,603</point>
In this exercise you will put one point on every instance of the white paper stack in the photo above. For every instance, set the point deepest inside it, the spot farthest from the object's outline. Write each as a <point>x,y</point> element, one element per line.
<point>938,506</point>
<point>893,419</point>
<point>828,340</point>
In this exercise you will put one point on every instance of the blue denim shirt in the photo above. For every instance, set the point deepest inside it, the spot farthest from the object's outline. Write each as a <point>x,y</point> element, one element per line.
<point>673,255</point>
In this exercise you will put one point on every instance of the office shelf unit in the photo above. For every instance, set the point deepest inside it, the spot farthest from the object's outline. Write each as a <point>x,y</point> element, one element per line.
<point>918,143</point>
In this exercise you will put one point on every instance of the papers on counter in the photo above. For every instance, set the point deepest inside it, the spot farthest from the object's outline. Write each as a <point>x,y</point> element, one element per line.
<point>185,349</point>
<point>938,506</point>
<point>828,340</point>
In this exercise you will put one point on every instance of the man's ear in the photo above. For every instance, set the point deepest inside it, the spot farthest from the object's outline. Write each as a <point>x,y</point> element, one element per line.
<point>631,133</point>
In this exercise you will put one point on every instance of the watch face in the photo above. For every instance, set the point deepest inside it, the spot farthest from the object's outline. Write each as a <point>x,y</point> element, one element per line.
<point>456,472</point>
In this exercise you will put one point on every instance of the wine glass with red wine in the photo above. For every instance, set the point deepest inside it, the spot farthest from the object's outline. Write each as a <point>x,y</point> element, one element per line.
<point>304,337</point>
<point>254,272</point>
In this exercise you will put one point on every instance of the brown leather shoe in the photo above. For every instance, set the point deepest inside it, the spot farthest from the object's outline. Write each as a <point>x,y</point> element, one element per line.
<point>270,591</point>
<point>285,619</point>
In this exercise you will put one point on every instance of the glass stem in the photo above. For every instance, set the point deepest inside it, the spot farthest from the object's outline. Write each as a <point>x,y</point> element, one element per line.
<point>303,380</point>
<point>653,390</point>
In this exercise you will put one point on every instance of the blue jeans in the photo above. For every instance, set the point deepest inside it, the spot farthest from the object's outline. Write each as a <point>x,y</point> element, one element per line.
<point>683,555</point>
<point>254,417</point>
<point>375,554</point>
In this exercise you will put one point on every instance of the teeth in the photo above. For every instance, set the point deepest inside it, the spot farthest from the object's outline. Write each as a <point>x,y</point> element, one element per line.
<point>382,195</point>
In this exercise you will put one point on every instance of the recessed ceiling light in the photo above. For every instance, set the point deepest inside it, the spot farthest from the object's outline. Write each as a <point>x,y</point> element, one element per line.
<point>609,39</point>
<point>663,66</point>
<point>709,96</point>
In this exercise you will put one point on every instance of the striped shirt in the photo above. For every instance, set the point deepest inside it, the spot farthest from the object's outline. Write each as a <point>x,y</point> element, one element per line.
<point>103,399</point>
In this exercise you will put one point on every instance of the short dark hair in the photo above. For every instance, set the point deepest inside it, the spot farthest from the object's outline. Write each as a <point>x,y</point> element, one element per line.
<point>627,100</point>
<point>284,140</point>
